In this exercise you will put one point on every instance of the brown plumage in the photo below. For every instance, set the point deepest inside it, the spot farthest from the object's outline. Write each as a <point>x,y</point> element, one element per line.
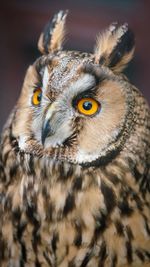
<point>75,160</point>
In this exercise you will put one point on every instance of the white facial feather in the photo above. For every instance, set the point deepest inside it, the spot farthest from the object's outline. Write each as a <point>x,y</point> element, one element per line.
<point>45,79</point>
<point>86,82</point>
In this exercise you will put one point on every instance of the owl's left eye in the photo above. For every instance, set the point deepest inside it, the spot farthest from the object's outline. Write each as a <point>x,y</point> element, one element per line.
<point>37,96</point>
<point>88,106</point>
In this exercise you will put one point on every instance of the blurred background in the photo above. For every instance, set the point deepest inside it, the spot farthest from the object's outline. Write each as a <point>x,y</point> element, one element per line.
<point>21,22</point>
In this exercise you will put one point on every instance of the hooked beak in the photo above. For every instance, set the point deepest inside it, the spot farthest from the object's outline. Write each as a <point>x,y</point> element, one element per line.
<point>57,126</point>
<point>46,129</point>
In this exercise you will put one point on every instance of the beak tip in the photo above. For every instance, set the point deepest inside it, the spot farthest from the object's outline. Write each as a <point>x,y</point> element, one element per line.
<point>43,139</point>
<point>46,131</point>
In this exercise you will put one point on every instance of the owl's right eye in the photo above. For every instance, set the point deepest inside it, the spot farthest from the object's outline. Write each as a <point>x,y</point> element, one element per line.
<point>88,106</point>
<point>37,96</point>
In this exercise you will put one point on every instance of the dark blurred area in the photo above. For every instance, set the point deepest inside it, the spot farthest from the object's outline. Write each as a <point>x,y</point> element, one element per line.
<point>21,22</point>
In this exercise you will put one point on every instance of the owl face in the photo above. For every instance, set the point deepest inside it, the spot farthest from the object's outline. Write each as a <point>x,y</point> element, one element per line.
<point>74,106</point>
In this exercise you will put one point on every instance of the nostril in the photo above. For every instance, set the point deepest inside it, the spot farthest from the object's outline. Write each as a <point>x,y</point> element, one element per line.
<point>46,131</point>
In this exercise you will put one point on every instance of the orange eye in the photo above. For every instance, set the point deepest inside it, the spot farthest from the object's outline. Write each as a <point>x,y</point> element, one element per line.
<point>88,106</point>
<point>37,96</point>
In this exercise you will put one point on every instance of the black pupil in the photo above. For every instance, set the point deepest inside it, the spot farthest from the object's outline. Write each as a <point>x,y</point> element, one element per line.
<point>39,97</point>
<point>87,105</point>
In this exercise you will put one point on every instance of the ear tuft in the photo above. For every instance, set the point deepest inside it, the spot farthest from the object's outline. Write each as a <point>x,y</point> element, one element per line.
<point>52,37</point>
<point>115,47</point>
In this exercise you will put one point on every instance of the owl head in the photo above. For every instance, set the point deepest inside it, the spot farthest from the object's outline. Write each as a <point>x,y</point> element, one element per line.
<point>74,106</point>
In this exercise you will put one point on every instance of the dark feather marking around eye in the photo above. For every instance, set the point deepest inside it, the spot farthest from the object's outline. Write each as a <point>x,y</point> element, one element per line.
<point>96,71</point>
<point>38,84</point>
<point>90,93</point>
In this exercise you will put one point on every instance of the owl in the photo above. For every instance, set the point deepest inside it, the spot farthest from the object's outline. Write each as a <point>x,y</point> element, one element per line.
<point>75,159</point>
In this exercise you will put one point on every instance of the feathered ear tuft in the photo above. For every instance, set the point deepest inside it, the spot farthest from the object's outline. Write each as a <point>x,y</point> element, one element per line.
<point>115,47</point>
<point>52,37</point>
